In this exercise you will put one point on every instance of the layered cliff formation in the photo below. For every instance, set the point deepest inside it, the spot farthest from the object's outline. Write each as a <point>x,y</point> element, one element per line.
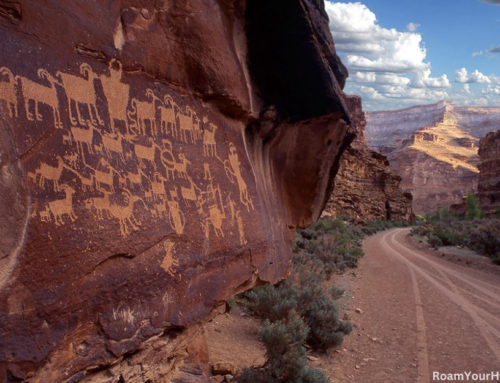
<point>154,158</point>
<point>433,148</point>
<point>488,189</point>
<point>365,186</point>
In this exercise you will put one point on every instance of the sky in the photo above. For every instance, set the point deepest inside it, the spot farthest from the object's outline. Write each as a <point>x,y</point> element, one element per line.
<point>401,53</point>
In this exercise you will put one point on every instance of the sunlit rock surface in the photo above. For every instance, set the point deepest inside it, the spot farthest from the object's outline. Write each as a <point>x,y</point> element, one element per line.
<point>433,148</point>
<point>489,174</point>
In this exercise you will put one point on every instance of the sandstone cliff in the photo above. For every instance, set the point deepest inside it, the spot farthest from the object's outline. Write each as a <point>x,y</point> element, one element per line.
<point>433,148</point>
<point>365,186</point>
<point>489,173</point>
<point>154,156</point>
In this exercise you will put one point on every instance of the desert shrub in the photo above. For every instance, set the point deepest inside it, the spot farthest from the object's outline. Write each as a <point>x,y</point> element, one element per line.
<point>473,210</point>
<point>484,237</point>
<point>434,241</point>
<point>286,355</point>
<point>273,302</point>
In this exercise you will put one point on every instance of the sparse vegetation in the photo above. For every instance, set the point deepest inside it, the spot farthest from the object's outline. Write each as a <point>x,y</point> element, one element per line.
<point>302,309</point>
<point>471,231</point>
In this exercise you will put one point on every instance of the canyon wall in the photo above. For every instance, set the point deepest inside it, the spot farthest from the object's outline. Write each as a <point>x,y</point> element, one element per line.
<point>433,148</point>
<point>155,157</point>
<point>365,187</point>
<point>488,189</point>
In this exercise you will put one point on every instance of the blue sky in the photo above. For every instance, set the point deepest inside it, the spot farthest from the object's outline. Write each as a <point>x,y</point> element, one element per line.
<point>401,53</point>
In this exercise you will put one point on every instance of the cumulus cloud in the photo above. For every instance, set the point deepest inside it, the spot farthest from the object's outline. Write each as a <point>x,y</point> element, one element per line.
<point>386,66</point>
<point>476,77</point>
<point>412,27</point>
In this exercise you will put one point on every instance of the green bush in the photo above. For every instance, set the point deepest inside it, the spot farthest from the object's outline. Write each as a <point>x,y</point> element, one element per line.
<point>286,355</point>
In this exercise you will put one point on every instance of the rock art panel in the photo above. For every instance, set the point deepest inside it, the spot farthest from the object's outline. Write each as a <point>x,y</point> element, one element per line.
<point>146,178</point>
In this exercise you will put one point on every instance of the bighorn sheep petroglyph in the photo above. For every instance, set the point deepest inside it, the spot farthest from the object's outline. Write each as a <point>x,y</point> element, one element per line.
<point>144,111</point>
<point>8,91</point>
<point>40,94</point>
<point>81,91</point>
<point>63,206</point>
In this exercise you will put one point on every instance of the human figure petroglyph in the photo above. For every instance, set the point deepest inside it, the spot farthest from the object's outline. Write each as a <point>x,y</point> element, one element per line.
<point>83,136</point>
<point>216,212</point>
<point>81,90</point>
<point>169,262</point>
<point>144,111</point>
<point>125,214</point>
<point>176,217</point>
<point>236,216</point>
<point>209,143</point>
<point>232,166</point>
<point>207,175</point>
<point>8,91</point>
<point>117,94</point>
<point>40,94</point>
<point>146,153</point>
<point>101,206</point>
<point>63,206</point>
<point>51,173</point>
<point>167,115</point>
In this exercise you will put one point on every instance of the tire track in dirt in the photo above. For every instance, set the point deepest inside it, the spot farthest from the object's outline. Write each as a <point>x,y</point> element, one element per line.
<point>390,242</point>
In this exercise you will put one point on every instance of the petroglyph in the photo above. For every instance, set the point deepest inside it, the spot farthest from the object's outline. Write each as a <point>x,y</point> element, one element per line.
<point>233,172</point>
<point>117,94</point>
<point>40,94</point>
<point>113,145</point>
<point>146,153</point>
<point>8,91</point>
<point>63,206</point>
<point>167,115</point>
<point>83,136</point>
<point>209,143</point>
<point>51,173</point>
<point>101,206</point>
<point>81,91</point>
<point>125,214</point>
<point>144,111</point>
<point>169,262</point>
<point>151,144</point>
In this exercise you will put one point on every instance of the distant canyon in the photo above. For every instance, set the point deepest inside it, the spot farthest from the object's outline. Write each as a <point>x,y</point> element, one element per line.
<point>433,148</point>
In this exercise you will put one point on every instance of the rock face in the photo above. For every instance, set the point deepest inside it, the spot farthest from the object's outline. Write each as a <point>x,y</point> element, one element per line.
<point>153,160</point>
<point>433,148</point>
<point>489,173</point>
<point>365,186</point>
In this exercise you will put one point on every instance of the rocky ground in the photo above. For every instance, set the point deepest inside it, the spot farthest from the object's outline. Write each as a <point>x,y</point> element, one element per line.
<point>415,311</point>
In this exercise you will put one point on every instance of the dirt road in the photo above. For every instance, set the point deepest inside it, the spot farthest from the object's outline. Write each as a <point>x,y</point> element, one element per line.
<point>416,315</point>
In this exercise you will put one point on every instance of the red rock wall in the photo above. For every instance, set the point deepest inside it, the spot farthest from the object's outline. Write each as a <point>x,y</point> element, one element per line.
<point>154,157</point>
<point>489,173</point>
<point>365,186</point>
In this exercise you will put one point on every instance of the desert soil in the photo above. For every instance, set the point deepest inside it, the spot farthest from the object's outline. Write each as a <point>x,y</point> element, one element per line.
<point>416,312</point>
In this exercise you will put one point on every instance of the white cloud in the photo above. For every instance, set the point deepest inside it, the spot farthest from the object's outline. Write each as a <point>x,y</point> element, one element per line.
<point>494,50</point>
<point>466,88</point>
<point>476,77</point>
<point>387,67</point>
<point>412,27</point>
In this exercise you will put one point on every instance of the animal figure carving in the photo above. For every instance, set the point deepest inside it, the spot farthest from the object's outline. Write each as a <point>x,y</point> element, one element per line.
<point>104,178</point>
<point>8,91</point>
<point>47,172</point>
<point>83,136</point>
<point>167,115</point>
<point>169,262</point>
<point>146,153</point>
<point>144,111</point>
<point>101,205</point>
<point>209,143</point>
<point>40,94</point>
<point>63,206</point>
<point>115,145</point>
<point>81,91</point>
<point>125,214</point>
<point>186,126</point>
